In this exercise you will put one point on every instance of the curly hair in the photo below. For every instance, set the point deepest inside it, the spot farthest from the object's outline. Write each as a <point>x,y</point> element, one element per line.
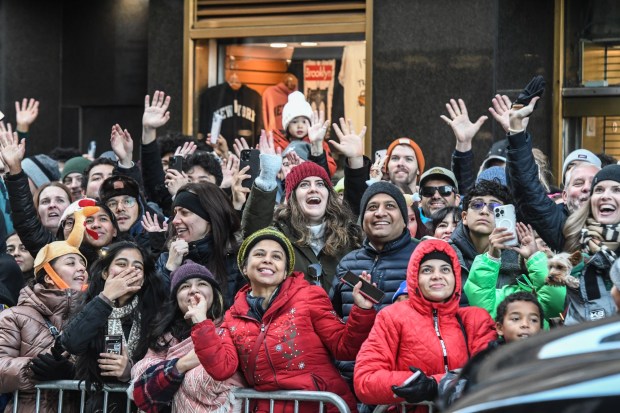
<point>342,234</point>
<point>488,188</point>
<point>518,296</point>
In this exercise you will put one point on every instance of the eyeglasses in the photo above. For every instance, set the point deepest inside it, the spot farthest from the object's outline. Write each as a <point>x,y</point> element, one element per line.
<point>126,202</point>
<point>478,205</point>
<point>444,190</point>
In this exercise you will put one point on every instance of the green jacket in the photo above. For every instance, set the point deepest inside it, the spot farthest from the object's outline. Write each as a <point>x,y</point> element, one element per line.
<point>482,292</point>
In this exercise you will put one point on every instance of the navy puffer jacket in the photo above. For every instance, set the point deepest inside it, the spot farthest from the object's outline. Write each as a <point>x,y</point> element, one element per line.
<point>388,269</point>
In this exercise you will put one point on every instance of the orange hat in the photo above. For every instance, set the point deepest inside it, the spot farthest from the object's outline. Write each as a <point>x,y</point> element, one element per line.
<point>409,142</point>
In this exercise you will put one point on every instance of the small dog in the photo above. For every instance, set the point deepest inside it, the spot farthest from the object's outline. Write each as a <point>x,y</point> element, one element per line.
<point>560,266</point>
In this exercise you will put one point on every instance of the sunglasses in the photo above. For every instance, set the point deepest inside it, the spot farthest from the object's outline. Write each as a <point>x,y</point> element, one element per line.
<point>429,191</point>
<point>478,205</point>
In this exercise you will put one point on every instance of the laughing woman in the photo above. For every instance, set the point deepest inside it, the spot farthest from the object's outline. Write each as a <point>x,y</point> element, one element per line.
<point>122,300</point>
<point>594,229</point>
<point>204,229</point>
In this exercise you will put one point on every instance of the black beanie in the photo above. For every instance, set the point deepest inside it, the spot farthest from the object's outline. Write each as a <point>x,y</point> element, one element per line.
<point>436,255</point>
<point>11,280</point>
<point>384,187</point>
<point>608,173</point>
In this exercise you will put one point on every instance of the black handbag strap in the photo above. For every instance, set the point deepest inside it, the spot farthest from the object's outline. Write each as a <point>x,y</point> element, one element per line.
<point>458,318</point>
<point>53,330</point>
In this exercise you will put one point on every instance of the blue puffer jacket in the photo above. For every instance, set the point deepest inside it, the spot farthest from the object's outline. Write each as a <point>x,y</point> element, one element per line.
<point>388,269</point>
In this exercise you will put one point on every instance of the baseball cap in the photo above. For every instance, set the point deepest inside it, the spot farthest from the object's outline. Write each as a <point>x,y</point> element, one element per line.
<point>438,172</point>
<point>581,155</point>
<point>498,151</point>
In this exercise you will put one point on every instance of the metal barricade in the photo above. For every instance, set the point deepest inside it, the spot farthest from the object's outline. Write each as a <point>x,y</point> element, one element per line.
<point>403,407</point>
<point>246,394</point>
<point>296,396</point>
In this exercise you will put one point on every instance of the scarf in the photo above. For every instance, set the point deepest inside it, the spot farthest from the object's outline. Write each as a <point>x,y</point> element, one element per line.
<point>601,242</point>
<point>317,237</point>
<point>115,325</point>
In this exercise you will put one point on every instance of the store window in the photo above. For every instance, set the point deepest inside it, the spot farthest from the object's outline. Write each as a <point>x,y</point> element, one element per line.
<point>251,78</point>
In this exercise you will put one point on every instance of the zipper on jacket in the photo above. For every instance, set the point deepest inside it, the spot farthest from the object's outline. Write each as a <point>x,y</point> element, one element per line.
<point>443,344</point>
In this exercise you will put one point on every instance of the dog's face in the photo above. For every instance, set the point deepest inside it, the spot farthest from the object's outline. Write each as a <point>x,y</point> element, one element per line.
<point>560,267</point>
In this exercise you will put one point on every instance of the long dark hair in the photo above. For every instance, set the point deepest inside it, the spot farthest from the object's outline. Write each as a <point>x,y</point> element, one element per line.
<point>150,297</point>
<point>171,320</point>
<point>224,222</point>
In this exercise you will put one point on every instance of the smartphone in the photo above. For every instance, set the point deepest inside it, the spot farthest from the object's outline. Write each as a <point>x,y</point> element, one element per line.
<point>176,163</point>
<point>92,149</point>
<point>380,153</point>
<point>113,344</point>
<point>216,126</point>
<point>250,157</point>
<point>506,217</point>
<point>368,290</point>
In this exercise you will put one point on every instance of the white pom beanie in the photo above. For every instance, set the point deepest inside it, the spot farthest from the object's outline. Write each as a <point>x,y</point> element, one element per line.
<point>296,106</point>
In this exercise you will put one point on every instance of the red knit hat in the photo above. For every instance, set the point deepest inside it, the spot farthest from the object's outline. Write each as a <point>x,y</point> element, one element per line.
<point>301,172</point>
<point>419,156</point>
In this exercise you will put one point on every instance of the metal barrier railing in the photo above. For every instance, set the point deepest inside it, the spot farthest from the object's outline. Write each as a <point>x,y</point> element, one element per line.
<point>403,407</point>
<point>246,394</point>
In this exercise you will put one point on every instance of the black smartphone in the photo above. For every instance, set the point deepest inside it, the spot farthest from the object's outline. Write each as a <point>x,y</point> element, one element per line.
<point>176,163</point>
<point>113,344</point>
<point>370,291</point>
<point>250,157</point>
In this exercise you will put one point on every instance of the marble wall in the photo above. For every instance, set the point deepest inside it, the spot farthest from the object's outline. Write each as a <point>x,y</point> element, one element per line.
<point>426,52</point>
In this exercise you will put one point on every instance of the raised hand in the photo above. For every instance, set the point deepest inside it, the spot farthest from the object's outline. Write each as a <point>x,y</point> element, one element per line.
<point>376,169</point>
<point>239,192</point>
<point>155,115</point>
<point>519,115</point>
<point>266,144</point>
<point>151,223</point>
<point>349,143</point>
<point>197,309</point>
<point>527,241</point>
<point>220,147</point>
<point>229,168</point>
<point>358,298</point>
<point>187,149</point>
<point>239,145</point>
<point>122,145</point>
<point>464,130</point>
<point>497,240</point>
<point>12,150</point>
<point>174,180</point>
<point>500,107</point>
<point>26,114</point>
<point>316,132</point>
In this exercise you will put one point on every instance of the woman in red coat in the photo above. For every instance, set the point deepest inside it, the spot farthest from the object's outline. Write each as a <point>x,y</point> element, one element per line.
<point>283,329</point>
<point>428,332</point>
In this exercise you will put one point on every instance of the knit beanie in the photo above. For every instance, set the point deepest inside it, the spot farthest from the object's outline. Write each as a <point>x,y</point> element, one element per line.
<point>11,280</point>
<point>74,165</point>
<point>402,290</point>
<point>41,169</point>
<point>301,172</point>
<point>190,201</point>
<point>436,255</point>
<point>608,173</point>
<point>118,185</point>
<point>188,270</point>
<point>384,187</point>
<point>272,234</point>
<point>419,156</point>
<point>494,173</point>
<point>582,155</point>
<point>296,106</point>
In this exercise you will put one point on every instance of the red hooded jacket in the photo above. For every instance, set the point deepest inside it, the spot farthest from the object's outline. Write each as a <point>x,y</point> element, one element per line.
<point>411,333</point>
<point>291,349</point>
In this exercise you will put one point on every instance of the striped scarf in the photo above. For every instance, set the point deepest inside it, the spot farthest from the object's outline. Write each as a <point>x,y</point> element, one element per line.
<point>115,325</point>
<point>597,237</point>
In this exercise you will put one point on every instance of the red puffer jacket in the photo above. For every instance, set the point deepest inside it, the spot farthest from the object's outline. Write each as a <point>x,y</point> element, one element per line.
<point>293,347</point>
<point>412,332</point>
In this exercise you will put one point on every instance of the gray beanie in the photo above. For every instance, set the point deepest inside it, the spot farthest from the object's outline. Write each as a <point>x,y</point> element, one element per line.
<point>384,187</point>
<point>41,169</point>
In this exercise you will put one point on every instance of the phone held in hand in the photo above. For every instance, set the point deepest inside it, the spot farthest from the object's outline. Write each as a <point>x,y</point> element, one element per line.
<point>176,163</point>
<point>216,127</point>
<point>114,344</point>
<point>505,217</point>
<point>368,290</point>
<point>250,157</point>
<point>92,149</point>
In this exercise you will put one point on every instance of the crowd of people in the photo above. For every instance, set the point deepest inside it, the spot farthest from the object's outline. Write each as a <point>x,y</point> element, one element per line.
<point>186,274</point>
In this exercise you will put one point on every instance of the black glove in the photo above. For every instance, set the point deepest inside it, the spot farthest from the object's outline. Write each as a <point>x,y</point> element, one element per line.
<point>536,87</point>
<point>421,389</point>
<point>52,366</point>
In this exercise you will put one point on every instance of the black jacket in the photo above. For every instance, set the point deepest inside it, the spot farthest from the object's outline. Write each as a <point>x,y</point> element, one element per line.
<point>532,203</point>
<point>388,269</point>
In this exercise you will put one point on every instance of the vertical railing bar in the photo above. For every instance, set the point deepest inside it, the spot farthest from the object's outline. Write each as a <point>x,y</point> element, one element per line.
<point>272,405</point>
<point>83,400</point>
<point>15,400</point>
<point>37,404</point>
<point>105,401</point>
<point>61,394</point>
<point>247,405</point>
<point>296,406</point>
<point>321,406</point>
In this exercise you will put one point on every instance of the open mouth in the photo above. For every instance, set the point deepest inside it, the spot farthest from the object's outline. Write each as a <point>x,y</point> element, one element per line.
<point>53,215</point>
<point>313,200</point>
<point>181,231</point>
<point>80,278</point>
<point>265,271</point>
<point>524,335</point>
<point>607,209</point>
<point>381,223</point>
